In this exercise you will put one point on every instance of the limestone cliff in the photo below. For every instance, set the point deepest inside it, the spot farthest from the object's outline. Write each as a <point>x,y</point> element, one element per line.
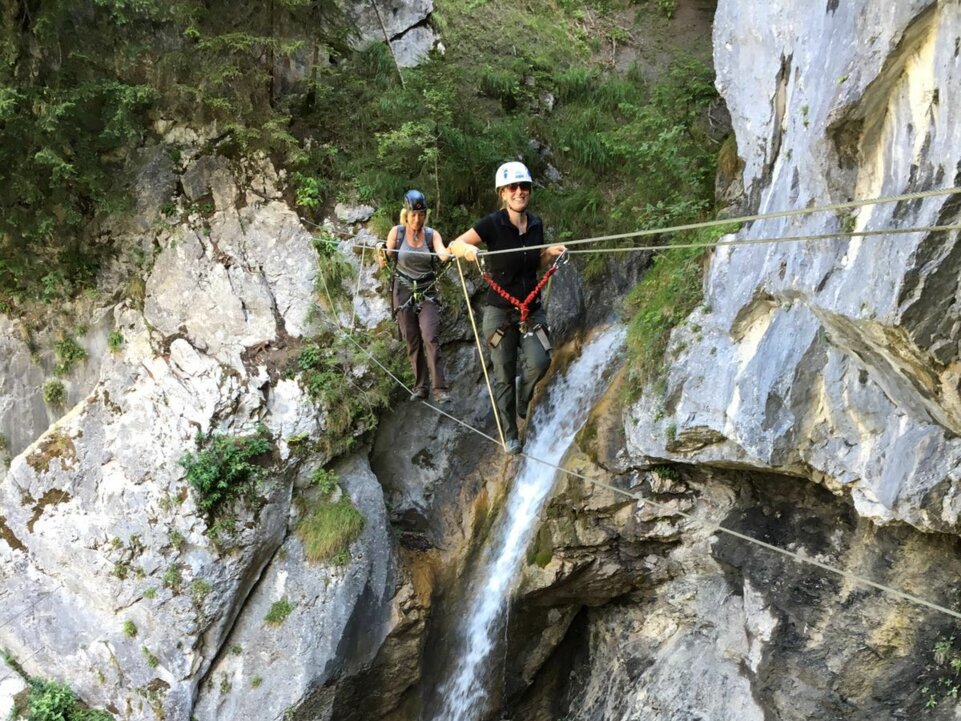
<point>811,369</point>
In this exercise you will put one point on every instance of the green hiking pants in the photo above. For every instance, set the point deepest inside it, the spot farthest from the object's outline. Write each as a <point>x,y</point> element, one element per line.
<point>514,352</point>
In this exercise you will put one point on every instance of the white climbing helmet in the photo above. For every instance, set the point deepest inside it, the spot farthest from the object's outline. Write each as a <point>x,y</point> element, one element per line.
<point>512,172</point>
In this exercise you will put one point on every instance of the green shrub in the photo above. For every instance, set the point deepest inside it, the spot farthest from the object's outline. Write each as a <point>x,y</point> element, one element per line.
<point>68,353</point>
<point>347,385</point>
<point>328,529</point>
<point>151,660</point>
<point>129,628</point>
<point>115,341</point>
<point>279,612</point>
<point>54,393</point>
<point>325,481</point>
<point>52,701</point>
<point>223,468</point>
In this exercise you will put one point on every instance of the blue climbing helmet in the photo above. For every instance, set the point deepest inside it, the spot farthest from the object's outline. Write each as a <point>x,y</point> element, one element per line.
<point>415,200</point>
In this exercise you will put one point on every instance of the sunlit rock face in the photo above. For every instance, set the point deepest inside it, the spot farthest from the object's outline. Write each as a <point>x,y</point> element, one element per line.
<point>114,580</point>
<point>838,359</point>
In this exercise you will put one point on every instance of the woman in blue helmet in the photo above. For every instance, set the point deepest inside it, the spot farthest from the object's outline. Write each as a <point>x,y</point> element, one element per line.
<point>417,250</point>
<point>513,344</point>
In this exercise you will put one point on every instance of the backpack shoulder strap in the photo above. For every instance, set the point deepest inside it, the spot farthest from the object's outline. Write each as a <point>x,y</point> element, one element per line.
<point>429,242</point>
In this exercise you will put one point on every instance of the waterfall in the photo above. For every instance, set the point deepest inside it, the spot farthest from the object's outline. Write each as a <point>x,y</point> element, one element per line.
<point>554,423</point>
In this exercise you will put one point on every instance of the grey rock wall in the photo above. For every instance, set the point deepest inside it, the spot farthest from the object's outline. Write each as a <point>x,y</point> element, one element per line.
<point>832,360</point>
<point>113,580</point>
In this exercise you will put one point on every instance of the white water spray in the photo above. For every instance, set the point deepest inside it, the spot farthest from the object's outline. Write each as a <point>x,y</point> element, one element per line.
<point>558,418</point>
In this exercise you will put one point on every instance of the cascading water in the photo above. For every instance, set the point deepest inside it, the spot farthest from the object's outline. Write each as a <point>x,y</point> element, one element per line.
<point>558,418</point>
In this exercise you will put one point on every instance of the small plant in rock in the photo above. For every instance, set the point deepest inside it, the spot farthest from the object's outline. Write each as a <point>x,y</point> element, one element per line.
<point>945,684</point>
<point>199,590</point>
<point>325,481</point>
<point>68,353</point>
<point>177,540</point>
<point>223,467</point>
<point>150,593</point>
<point>54,393</point>
<point>279,612</point>
<point>115,341</point>
<point>172,578</point>
<point>52,701</point>
<point>152,660</point>
<point>256,682</point>
<point>129,628</point>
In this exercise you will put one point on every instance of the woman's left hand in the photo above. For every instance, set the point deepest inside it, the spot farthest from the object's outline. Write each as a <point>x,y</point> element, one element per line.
<point>555,250</point>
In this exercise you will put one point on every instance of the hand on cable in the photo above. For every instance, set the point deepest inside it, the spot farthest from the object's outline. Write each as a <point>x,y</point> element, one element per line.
<point>381,254</point>
<point>464,250</point>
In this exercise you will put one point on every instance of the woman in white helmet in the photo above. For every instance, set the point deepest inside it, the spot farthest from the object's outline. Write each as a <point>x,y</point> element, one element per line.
<point>513,227</point>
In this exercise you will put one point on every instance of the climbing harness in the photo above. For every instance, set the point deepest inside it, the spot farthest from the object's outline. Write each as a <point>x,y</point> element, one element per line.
<point>422,290</point>
<point>523,305</point>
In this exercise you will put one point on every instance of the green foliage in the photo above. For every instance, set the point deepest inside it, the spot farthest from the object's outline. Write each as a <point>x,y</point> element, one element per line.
<point>199,590</point>
<point>52,701</point>
<point>172,578</point>
<point>342,381</point>
<point>151,660</point>
<point>68,353</point>
<point>668,7</point>
<point>279,611</point>
<point>308,190</point>
<point>328,529</point>
<point>945,682</point>
<point>223,469</point>
<point>54,393</point>
<point>78,83</point>
<point>115,341</point>
<point>129,628</point>
<point>325,481</point>
<point>666,295</point>
<point>333,271</point>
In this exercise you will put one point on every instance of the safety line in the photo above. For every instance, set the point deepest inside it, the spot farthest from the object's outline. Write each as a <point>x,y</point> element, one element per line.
<point>714,527</point>
<point>741,219</point>
<point>349,335</point>
<point>780,239</point>
<point>480,356</point>
<point>721,222</point>
<point>800,558</point>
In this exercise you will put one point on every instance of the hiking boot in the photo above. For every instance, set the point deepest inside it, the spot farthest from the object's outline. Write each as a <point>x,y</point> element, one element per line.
<point>419,394</point>
<point>512,446</point>
<point>522,409</point>
<point>441,396</point>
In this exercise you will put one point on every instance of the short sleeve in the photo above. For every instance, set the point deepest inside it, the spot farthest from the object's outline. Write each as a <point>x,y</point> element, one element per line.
<point>486,229</point>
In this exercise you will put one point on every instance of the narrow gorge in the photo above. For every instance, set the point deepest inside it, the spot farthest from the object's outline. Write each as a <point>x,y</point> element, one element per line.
<point>804,394</point>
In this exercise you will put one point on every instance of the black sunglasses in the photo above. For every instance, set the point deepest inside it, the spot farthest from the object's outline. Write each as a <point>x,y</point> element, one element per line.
<point>514,186</point>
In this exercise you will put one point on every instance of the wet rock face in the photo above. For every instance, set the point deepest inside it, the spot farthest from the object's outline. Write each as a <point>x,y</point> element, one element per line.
<point>834,360</point>
<point>698,624</point>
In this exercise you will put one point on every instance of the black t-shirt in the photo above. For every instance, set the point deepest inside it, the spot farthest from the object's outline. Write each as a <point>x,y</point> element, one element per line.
<point>514,272</point>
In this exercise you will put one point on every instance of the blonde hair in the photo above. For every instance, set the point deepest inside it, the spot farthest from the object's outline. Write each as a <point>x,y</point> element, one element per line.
<point>403,216</point>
